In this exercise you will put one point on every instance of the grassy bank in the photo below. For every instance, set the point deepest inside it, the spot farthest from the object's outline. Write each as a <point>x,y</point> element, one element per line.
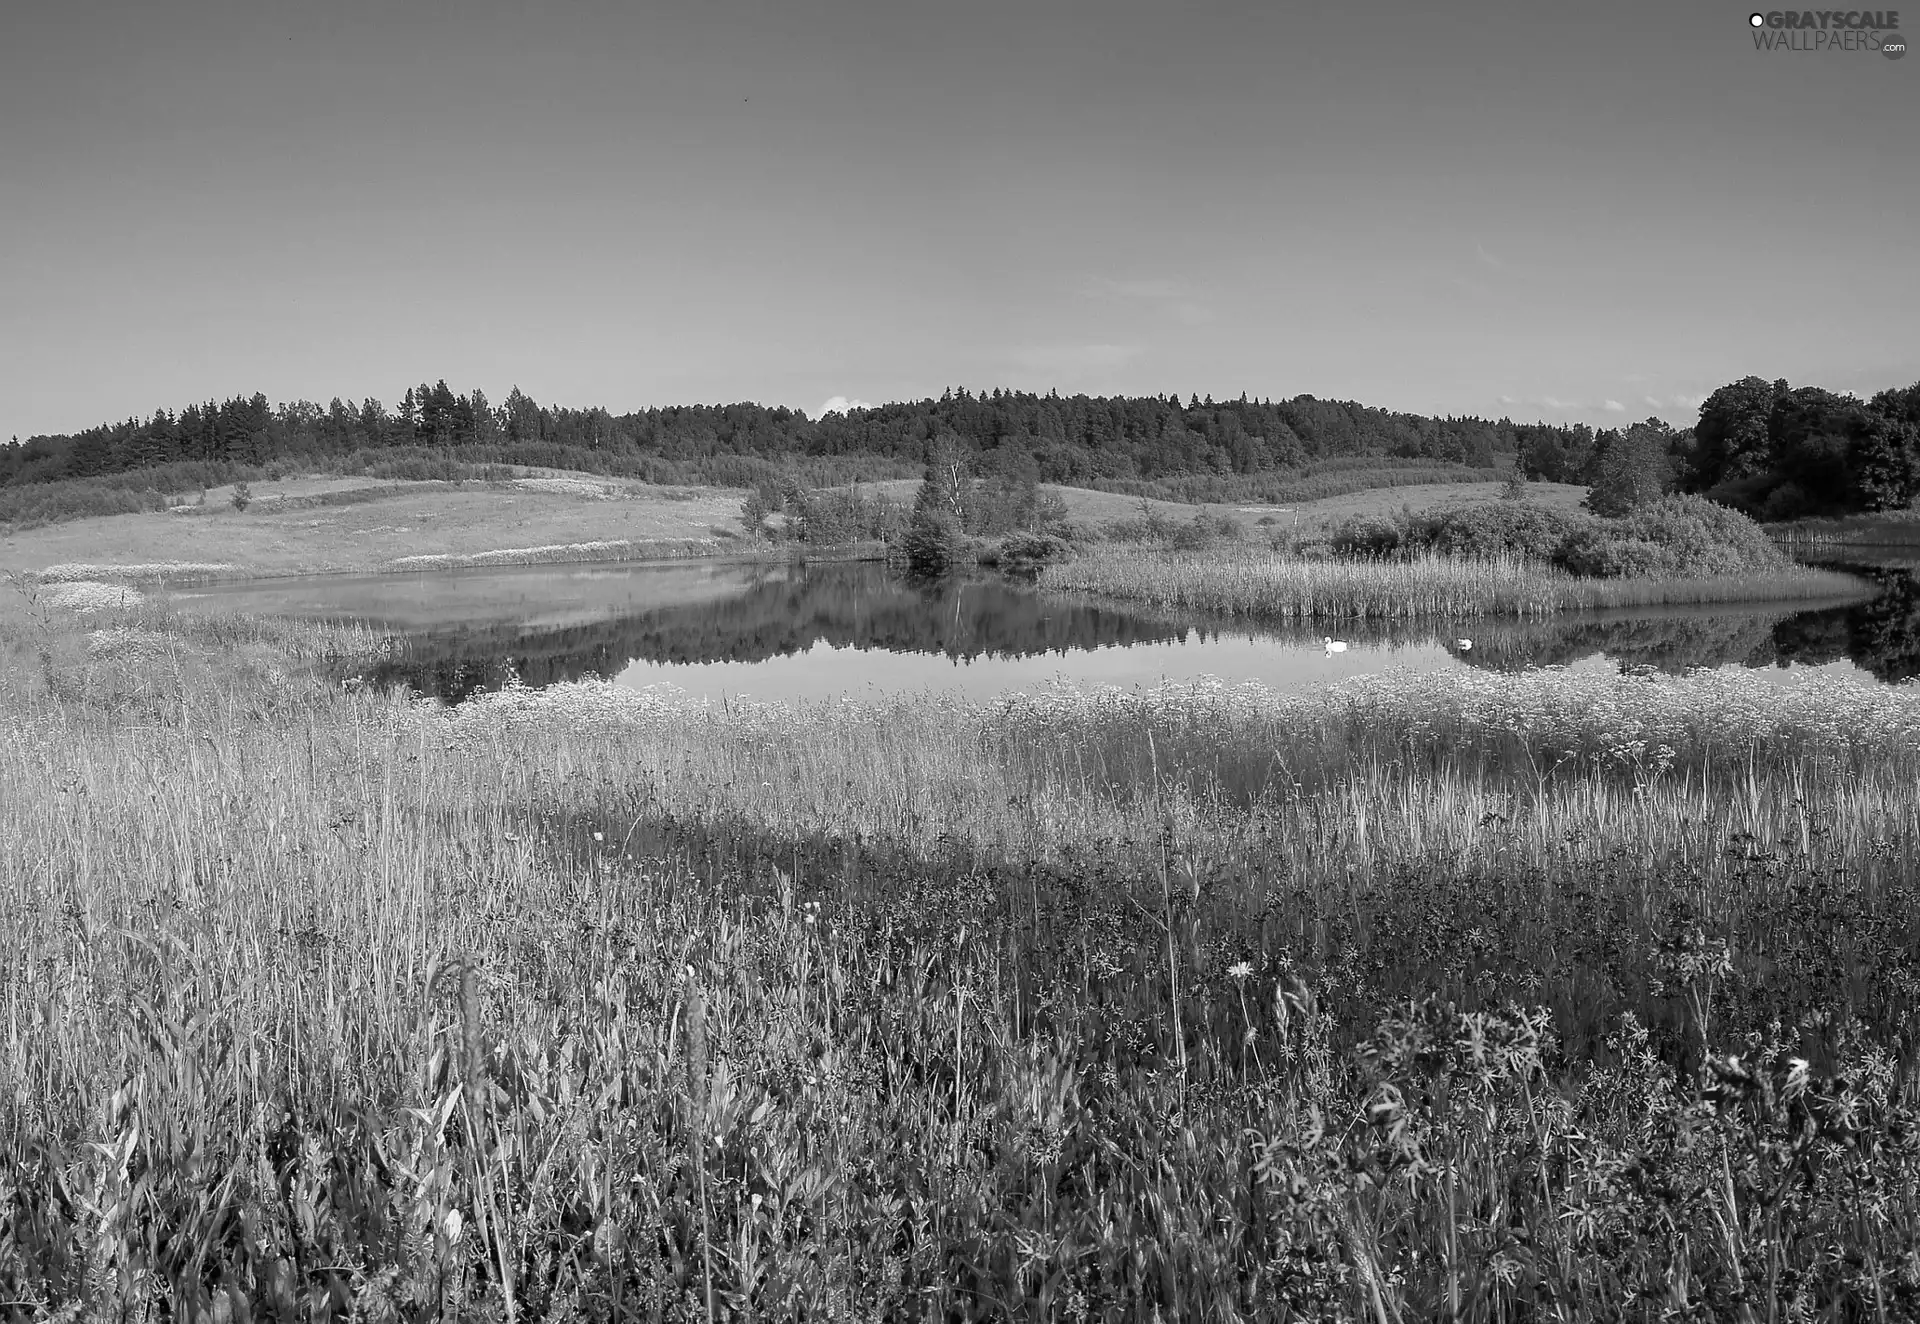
<point>1259,585</point>
<point>1468,995</point>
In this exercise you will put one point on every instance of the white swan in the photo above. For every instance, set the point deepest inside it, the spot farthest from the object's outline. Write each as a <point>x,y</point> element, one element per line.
<point>1334,645</point>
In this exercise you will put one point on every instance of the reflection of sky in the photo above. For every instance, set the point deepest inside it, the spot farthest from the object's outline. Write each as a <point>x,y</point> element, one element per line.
<point>824,671</point>
<point>529,599</point>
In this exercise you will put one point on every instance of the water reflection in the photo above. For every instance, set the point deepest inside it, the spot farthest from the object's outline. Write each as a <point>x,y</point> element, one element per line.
<point>1880,636</point>
<point>782,612</point>
<point>800,631</point>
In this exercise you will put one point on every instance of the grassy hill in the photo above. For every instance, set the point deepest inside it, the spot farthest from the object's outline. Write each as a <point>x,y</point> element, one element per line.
<point>330,524</point>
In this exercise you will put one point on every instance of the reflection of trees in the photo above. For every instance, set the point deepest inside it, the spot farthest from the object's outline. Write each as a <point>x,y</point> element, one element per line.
<point>857,606</point>
<point>1881,636</point>
<point>861,606</point>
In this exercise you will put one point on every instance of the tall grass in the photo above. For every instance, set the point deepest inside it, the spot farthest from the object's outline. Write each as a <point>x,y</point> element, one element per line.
<point>1472,996</point>
<point>1273,586</point>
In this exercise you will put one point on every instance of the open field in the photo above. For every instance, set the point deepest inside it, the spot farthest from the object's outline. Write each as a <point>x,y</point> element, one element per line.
<point>1476,996</point>
<point>463,522</point>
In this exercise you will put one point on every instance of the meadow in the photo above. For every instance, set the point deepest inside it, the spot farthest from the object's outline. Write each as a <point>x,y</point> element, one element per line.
<point>319,525</point>
<point>1471,996</point>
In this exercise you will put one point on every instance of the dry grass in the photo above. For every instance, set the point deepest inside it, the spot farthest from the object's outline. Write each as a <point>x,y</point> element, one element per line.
<point>1466,996</point>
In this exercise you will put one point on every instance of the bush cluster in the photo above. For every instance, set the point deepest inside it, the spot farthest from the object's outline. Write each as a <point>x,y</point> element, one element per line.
<point>1675,536</point>
<point>1024,552</point>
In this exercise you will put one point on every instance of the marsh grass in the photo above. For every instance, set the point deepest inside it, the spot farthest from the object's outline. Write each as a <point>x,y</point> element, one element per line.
<point>1263,586</point>
<point>1471,996</point>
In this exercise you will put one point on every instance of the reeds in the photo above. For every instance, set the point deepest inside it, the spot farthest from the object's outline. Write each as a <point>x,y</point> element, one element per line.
<point>1472,996</point>
<point>1262,586</point>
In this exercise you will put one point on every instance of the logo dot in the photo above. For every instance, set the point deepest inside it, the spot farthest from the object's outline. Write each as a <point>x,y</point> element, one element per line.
<point>1893,46</point>
<point>1757,20</point>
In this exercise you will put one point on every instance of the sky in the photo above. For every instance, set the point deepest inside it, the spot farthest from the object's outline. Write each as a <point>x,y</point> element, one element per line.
<point>1576,213</point>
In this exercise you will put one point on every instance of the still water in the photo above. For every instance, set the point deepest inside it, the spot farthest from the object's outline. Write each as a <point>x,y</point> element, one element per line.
<point>798,632</point>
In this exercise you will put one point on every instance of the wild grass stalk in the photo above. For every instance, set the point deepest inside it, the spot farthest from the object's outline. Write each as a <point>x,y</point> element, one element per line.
<point>1425,995</point>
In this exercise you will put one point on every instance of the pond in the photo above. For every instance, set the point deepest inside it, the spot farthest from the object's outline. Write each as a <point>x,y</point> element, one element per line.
<point>793,632</point>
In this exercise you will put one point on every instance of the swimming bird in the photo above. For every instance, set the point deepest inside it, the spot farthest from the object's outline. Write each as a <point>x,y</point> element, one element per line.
<point>1335,645</point>
<point>1463,644</point>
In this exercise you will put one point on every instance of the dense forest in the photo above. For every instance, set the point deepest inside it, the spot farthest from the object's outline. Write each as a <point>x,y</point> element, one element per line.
<point>1767,448</point>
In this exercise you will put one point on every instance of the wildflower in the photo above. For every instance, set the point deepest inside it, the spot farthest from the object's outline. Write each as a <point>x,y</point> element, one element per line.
<point>1240,970</point>
<point>452,1225</point>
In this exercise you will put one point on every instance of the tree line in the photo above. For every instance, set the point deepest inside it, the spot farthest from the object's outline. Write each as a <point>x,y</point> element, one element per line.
<point>1079,440</point>
<point>1769,449</point>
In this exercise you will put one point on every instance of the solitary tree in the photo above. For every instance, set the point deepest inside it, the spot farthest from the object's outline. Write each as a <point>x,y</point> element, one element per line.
<point>1631,471</point>
<point>753,514</point>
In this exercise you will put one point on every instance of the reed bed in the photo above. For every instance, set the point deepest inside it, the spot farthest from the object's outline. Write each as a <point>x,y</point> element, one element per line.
<point>1464,996</point>
<point>1280,587</point>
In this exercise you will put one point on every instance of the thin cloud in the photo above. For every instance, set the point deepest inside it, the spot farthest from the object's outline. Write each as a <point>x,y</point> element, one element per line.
<point>1613,407</point>
<point>1487,259</point>
<point>1075,358</point>
<point>1509,400</point>
<point>840,404</point>
<point>1554,402</point>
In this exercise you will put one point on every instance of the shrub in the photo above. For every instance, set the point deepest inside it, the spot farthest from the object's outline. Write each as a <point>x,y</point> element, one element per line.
<point>1368,535</point>
<point>1599,553</point>
<point>242,496</point>
<point>1504,528</point>
<point>1700,537</point>
<point>934,542</point>
<point>1026,552</point>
